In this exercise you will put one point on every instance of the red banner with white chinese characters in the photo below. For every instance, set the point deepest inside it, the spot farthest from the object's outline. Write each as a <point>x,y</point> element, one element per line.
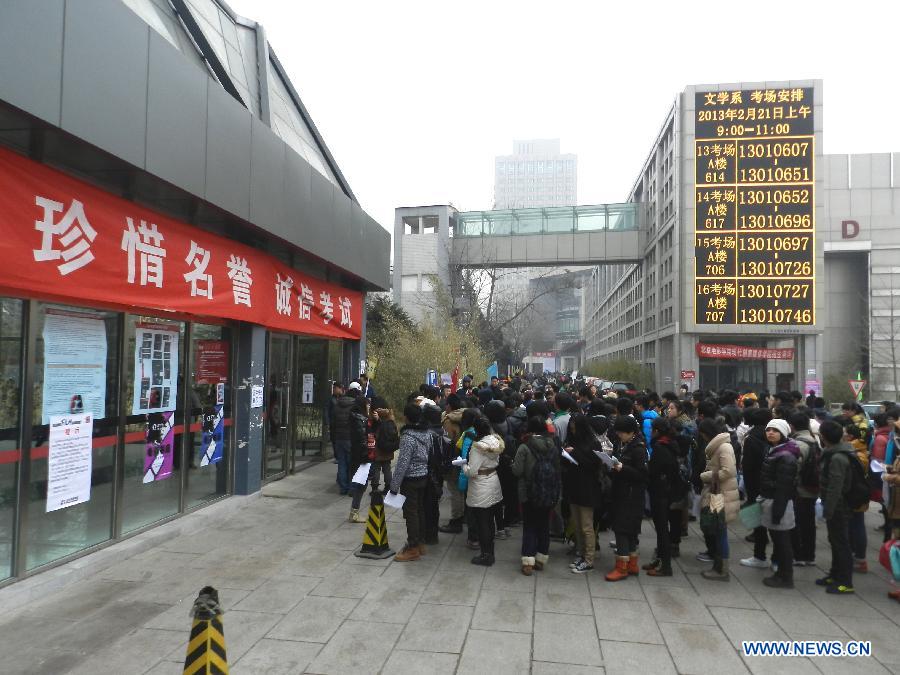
<point>743,353</point>
<point>64,238</point>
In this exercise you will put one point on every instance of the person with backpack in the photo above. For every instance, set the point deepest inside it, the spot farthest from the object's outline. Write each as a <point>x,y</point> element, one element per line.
<point>803,538</point>
<point>629,488</point>
<point>777,491</point>
<point>382,440</point>
<point>581,489</point>
<point>439,456</point>
<point>451,420</point>
<point>756,447</point>
<point>665,486</point>
<point>882,445</point>
<point>836,484</point>
<point>857,525</point>
<point>507,510</point>
<point>483,492</point>
<point>536,465</point>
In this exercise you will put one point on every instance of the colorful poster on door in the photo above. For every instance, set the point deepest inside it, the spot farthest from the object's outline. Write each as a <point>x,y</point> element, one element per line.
<point>155,369</point>
<point>212,443</point>
<point>160,447</point>
<point>212,362</point>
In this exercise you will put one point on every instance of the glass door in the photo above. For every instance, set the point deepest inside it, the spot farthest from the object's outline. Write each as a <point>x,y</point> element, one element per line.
<point>278,406</point>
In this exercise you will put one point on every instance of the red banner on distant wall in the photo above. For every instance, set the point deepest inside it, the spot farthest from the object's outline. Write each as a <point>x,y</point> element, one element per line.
<point>743,353</point>
<point>65,238</point>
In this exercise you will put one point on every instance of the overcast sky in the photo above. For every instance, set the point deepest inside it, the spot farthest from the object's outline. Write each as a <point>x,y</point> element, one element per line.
<point>414,99</point>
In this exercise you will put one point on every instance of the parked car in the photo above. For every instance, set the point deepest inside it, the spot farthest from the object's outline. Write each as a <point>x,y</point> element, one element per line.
<point>626,388</point>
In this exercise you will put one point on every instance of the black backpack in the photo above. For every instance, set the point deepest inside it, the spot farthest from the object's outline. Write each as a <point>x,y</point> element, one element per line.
<point>544,486</point>
<point>857,494</point>
<point>809,468</point>
<point>387,439</point>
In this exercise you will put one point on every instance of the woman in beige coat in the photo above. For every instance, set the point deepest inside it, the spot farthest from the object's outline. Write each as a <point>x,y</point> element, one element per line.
<point>721,476</point>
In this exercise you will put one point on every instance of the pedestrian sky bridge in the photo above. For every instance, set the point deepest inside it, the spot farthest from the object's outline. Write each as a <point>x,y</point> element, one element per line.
<point>544,237</point>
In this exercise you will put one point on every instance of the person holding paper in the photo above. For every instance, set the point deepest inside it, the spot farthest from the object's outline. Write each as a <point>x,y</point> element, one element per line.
<point>582,489</point>
<point>629,486</point>
<point>484,491</point>
<point>538,493</point>
<point>382,441</point>
<point>409,479</point>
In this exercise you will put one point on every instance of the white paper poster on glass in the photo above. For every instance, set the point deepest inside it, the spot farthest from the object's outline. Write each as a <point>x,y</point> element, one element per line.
<point>74,364</point>
<point>69,461</point>
<point>256,396</point>
<point>155,369</point>
<point>307,388</point>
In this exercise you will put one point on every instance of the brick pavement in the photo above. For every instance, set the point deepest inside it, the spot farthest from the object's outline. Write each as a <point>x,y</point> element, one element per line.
<point>298,601</point>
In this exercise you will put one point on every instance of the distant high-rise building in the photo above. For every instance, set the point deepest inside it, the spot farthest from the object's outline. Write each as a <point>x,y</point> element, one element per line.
<point>535,175</point>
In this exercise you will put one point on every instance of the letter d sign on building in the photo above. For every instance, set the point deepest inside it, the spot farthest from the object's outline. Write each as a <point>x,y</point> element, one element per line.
<point>849,229</point>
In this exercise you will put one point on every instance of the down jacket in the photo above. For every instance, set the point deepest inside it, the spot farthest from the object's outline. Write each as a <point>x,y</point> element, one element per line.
<point>481,470</point>
<point>778,480</point>
<point>720,460</point>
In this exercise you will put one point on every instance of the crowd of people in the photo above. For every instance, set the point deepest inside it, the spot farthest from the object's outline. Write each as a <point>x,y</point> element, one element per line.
<point>561,460</point>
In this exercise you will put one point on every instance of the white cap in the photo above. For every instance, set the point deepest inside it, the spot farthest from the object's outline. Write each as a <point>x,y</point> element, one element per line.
<point>780,426</point>
<point>355,385</point>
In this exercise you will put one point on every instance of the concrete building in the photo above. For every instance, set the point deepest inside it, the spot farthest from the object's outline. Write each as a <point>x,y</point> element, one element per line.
<point>187,270</point>
<point>646,311</point>
<point>536,174</point>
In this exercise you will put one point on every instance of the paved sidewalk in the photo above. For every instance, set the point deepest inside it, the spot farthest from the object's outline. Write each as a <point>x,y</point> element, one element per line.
<point>298,601</point>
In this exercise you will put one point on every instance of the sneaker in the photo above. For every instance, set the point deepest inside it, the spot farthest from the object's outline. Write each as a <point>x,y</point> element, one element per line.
<point>355,517</point>
<point>755,562</point>
<point>612,544</point>
<point>485,561</point>
<point>575,563</point>
<point>825,581</point>
<point>860,566</point>
<point>451,528</point>
<point>840,589</point>
<point>704,556</point>
<point>750,538</point>
<point>473,545</point>
<point>582,567</point>
<point>804,563</point>
<point>502,534</point>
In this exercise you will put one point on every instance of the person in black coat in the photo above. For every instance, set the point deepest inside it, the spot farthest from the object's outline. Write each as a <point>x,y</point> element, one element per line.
<point>756,447</point>
<point>663,472</point>
<point>629,487</point>
<point>581,488</point>
<point>777,487</point>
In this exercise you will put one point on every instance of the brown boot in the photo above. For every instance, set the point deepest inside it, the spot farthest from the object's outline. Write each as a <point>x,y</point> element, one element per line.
<point>422,549</point>
<point>540,559</point>
<point>633,568</point>
<point>621,571</point>
<point>527,565</point>
<point>408,554</point>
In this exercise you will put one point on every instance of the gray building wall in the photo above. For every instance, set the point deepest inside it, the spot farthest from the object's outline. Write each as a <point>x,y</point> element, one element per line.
<point>419,255</point>
<point>96,70</point>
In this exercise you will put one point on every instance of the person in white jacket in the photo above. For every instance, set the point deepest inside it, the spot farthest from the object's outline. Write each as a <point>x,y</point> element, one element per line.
<point>484,492</point>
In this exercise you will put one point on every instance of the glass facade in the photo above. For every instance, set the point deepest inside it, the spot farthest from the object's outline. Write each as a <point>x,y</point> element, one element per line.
<point>159,393</point>
<point>555,220</point>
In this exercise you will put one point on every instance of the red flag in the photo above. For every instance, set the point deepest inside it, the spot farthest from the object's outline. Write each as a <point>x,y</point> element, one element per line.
<point>455,378</point>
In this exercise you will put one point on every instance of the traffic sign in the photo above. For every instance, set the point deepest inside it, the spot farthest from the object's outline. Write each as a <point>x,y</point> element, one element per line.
<point>857,386</point>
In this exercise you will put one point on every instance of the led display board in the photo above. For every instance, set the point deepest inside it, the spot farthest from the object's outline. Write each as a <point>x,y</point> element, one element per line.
<point>754,229</point>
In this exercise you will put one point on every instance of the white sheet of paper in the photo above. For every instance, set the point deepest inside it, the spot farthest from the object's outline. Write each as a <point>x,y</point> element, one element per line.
<point>876,467</point>
<point>361,477</point>
<point>394,501</point>
<point>459,461</point>
<point>606,459</point>
<point>569,457</point>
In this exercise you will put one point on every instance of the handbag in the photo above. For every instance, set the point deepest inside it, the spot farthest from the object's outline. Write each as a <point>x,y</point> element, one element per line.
<point>712,520</point>
<point>751,515</point>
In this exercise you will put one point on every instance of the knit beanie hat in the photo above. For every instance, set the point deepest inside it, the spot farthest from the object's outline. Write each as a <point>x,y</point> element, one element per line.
<point>780,426</point>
